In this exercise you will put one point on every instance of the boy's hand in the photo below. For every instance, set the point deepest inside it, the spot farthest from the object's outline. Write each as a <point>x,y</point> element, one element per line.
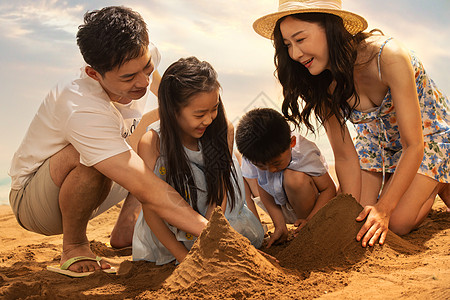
<point>279,236</point>
<point>300,223</point>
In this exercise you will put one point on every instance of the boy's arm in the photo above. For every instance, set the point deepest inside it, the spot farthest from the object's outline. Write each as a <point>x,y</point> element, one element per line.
<point>281,233</point>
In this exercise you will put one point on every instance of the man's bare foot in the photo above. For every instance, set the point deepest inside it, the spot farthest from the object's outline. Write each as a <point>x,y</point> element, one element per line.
<point>82,265</point>
<point>444,194</point>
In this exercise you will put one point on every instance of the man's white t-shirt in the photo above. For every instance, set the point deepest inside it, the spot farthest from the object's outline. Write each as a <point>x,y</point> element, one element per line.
<point>78,113</point>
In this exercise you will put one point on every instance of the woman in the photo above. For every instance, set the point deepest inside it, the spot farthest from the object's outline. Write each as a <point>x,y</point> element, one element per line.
<point>399,161</point>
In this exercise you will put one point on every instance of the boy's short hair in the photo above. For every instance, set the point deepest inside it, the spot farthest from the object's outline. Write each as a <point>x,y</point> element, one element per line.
<point>112,36</point>
<point>262,135</point>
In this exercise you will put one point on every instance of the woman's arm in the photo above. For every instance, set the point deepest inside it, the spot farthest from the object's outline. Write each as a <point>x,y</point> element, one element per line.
<point>398,75</point>
<point>149,152</point>
<point>346,159</point>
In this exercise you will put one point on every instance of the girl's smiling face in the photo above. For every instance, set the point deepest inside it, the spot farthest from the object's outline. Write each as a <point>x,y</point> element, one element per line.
<point>306,43</point>
<point>194,118</point>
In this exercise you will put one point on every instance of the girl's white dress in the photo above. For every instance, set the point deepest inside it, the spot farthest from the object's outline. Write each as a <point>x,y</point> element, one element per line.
<point>147,247</point>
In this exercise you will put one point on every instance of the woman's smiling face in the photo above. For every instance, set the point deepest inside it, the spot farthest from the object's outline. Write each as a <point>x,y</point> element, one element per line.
<point>306,43</point>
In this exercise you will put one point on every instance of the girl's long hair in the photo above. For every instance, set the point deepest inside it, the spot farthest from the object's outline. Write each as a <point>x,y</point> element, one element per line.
<point>182,80</point>
<point>314,90</point>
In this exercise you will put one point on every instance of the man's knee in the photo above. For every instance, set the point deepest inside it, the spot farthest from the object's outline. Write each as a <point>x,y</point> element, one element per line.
<point>67,161</point>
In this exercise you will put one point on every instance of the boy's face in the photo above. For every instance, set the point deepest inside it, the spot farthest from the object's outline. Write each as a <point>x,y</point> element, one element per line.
<point>280,162</point>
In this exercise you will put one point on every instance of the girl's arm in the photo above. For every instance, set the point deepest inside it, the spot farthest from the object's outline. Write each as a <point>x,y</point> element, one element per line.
<point>148,118</point>
<point>346,159</point>
<point>230,136</point>
<point>149,151</point>
<point>156,80</point>
<point>211,207</point>
<point>281,233</point>
<point>327,190</point>
<point>398,75</point>
<point>230,142</point>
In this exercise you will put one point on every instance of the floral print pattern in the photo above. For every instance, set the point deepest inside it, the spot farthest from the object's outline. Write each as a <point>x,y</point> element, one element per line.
<point>378,139</point>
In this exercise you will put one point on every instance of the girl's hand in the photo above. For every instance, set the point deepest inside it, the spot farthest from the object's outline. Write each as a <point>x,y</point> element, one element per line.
<point>376,225</point>
<point>279,236</point>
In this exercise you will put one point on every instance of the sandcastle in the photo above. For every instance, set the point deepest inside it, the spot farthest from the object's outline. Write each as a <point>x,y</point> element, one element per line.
<point>223,264</point>
<point>221,256</point>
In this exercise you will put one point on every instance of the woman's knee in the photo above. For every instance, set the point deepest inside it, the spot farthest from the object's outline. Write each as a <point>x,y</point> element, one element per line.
<point>401,227</point>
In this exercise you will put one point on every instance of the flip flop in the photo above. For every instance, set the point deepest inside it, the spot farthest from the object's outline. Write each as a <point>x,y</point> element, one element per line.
<point>64,269</point>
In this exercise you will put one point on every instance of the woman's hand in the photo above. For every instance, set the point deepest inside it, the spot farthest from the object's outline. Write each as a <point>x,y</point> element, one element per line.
<point>279,236</point>
<point>376,225</point>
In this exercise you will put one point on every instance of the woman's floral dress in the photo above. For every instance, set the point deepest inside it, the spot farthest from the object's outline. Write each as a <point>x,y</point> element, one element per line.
<point>378,138</point>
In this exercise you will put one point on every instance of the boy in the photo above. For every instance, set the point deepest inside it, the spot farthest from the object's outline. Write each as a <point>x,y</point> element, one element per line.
<point>293,180</point>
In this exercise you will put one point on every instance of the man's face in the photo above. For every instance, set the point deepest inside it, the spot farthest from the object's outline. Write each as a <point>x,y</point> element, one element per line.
<point>129,81</point>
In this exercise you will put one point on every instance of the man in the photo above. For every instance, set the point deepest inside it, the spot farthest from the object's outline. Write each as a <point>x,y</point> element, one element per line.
<point>78,156</point>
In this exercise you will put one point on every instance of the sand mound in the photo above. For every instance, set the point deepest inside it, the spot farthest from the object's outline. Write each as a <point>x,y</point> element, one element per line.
<point>396,270</point>
<point>328,241</point>
<point>223,260</point>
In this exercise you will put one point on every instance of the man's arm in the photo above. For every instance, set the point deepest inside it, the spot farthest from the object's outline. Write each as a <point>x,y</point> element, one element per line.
<point>130,171</point>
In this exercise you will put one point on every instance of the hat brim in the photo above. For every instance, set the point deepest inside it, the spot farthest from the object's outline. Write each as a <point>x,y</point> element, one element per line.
<point>265,25</point>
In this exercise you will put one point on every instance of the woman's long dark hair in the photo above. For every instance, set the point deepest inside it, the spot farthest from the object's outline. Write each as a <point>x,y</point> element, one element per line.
<point>314,90</point>
<point>182,80</point>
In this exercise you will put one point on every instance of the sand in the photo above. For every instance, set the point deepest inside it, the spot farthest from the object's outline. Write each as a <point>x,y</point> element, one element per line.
<point>323,261</point>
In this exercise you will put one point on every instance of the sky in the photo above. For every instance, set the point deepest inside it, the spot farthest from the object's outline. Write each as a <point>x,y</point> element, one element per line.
<point>38,49</point>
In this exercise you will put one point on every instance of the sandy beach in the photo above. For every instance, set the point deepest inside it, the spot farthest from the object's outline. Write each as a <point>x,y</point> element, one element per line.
<point>323,261</point>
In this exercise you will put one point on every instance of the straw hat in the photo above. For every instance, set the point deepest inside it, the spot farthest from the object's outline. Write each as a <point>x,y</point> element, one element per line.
<point>352,22</point>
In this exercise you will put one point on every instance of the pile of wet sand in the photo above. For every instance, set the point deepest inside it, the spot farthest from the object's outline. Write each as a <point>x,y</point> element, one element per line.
<point>324,259</point>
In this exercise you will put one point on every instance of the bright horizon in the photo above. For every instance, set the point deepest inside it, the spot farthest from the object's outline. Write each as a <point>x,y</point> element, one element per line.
<point>38,49</point>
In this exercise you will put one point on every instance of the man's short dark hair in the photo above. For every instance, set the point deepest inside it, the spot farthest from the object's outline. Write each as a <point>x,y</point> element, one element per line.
<point>112,36</point>
<point>262,135</point>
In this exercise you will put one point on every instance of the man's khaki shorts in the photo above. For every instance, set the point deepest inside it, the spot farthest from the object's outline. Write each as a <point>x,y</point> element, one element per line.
<point>36,205</point>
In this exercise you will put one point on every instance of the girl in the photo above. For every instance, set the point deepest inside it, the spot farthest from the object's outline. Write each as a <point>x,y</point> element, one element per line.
<point>191,150</point>
<point>401,118</point>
